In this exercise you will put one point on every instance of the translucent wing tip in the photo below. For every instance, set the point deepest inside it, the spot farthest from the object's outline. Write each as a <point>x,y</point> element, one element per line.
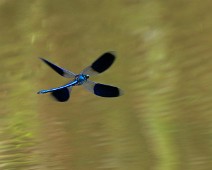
<point>112,53</point>
<point>44,60</point>
<point>121,92</point>
<point>41,58</point>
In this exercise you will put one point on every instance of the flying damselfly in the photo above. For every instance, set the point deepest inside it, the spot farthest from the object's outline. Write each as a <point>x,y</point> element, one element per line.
<point>62,93</point>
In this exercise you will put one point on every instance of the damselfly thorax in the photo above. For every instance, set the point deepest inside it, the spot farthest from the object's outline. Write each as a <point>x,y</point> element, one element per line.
<point>81,78</point>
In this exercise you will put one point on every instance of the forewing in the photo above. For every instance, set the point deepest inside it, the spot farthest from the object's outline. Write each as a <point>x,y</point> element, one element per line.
<point>62,95</point>
<point>63,72</point>
<point>102,90</point>
<point>101,64</point>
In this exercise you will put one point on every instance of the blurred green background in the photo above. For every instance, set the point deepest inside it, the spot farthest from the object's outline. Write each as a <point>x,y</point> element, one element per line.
<point>164,65</point>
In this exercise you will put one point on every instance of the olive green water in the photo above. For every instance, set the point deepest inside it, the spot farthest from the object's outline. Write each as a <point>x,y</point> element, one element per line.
<point>164,65</point>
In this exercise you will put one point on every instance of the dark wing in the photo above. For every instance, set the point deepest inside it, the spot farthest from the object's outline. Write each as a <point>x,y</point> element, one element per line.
<point>102,90</point>
<point>63,72</point>
<point>100,65</point>
<point>62,95</point>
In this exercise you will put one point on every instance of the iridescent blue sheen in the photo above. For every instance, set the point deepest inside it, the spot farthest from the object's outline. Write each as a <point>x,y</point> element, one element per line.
<point>62,93</point>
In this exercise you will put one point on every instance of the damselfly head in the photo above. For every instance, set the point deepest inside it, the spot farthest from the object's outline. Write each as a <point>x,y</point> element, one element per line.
<point>87,76</point>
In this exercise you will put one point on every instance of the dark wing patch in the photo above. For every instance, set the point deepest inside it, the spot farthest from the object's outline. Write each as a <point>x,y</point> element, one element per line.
<point>59,70</point>
<point>103,62</point>
<point>106,90</point>
<point>61,95</point>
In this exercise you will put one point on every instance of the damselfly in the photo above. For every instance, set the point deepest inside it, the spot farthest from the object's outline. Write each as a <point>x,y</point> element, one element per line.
<point>62,93</point>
